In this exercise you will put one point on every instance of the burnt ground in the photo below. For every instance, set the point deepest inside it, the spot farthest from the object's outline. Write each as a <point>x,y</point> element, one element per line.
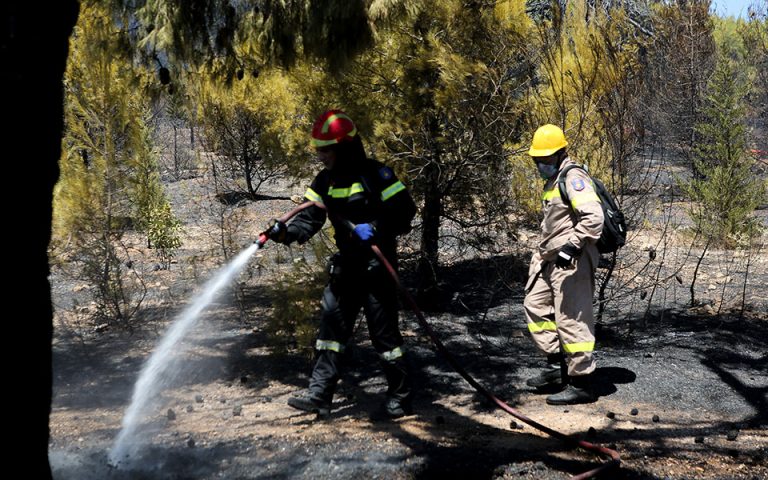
<point>702,377</point>
<point>698,382</point>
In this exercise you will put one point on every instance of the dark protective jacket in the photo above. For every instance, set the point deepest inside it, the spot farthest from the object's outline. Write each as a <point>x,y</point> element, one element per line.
<point>365,192</point>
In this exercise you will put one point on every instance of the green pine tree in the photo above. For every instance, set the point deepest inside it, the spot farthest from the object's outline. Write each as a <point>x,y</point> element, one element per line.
<point>108,182</point>
<point>439,98</point>
<point>252,125</point>
<point>726,192</point>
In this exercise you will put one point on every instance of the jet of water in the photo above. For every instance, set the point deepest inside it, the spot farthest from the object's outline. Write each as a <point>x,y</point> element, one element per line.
<point>155,373</point>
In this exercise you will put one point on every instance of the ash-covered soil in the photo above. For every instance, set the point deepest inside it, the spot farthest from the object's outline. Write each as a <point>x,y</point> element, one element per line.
<point>682,391</point>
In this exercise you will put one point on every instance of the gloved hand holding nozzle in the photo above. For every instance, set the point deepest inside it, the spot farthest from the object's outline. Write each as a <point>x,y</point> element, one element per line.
<point>277,231</point>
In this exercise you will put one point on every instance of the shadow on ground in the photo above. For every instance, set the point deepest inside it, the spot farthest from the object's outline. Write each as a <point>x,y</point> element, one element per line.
<point>683,362</point>
<point>233,197</point>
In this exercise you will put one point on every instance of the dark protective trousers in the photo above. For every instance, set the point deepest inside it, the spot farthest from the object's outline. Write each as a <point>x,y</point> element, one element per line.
<point>352,286</point>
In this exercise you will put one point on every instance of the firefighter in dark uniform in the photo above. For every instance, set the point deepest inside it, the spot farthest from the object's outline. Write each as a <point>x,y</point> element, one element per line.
<point>365,203</point>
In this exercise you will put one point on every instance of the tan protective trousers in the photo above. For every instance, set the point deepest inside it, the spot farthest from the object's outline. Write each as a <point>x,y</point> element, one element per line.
<point>558,309</point>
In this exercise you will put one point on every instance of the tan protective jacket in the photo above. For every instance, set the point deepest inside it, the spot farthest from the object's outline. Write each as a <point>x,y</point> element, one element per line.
<point>581,223</point>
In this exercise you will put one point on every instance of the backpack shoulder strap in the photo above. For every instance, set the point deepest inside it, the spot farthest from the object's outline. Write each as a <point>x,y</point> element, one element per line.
<point>561,182</point>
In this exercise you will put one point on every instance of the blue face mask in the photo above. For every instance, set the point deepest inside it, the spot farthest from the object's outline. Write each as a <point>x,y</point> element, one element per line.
<point>546,170</point>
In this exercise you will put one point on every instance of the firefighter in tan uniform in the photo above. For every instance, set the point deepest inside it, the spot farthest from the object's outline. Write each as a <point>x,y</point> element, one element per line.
<point>558,302</point>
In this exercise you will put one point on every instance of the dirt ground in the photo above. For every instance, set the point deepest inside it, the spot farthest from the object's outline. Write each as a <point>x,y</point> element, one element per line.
<point>683,395</point>
<point>231,420</point>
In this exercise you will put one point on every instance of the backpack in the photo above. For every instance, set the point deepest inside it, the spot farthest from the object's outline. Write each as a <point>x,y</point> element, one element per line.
<point>614,234</point>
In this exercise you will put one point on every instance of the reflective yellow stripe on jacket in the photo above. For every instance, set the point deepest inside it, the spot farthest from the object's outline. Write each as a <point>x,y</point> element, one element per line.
<point>584,197</point>
<point>576,200</point>
<point>550,194</point>
<point>313,196</point>
<point>392,190</point>
<point>356,187</point>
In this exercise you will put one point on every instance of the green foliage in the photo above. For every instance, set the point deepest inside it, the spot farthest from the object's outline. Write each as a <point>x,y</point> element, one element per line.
<point>147,195</point>
<point>723,133</point>
<point>725,192</point>
<point>108,180</point>
<point>100,126</point>
<point>152,209</point>
<point>225,36</point>
<point>526,188</point>
<point>108,168</point>
<point>754,35</point>
<point>727,37</point>
<point>681,61</point>
<point>438,97</point>
<point>117,296</point>
<point>296,298</point>
<point>253,126</point>
<point>444,94</point>
<point>726,200</point>
<point>448,92</point>
<point>589,68</point>
<point>163,231</point>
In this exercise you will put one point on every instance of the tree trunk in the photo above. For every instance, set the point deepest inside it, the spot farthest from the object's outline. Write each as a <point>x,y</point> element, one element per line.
<point>696,272</point>
<point>248,167</point>
<point>430,217</point>
<point>428,292</point>
<point>175,153</point>
<point>35,76</point>
<point>603,286</point>
<point>248,162</point>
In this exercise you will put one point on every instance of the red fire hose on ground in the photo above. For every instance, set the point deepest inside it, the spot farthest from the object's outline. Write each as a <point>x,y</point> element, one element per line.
<point>612,456</point>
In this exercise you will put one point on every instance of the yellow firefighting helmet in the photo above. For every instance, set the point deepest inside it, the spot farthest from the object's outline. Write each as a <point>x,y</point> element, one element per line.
<point>547,140</point>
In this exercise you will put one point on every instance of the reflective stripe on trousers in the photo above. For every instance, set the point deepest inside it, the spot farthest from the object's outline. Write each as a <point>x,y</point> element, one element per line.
<point>329,345</point>
<point>558,311</point>
<point>392,354</point>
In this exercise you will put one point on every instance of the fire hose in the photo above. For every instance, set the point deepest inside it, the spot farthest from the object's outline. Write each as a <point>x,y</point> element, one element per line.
<point>612,456</point>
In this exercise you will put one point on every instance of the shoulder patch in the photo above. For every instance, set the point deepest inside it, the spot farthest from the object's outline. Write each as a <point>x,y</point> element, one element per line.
<point>386,173</point>
<point>578,184</point>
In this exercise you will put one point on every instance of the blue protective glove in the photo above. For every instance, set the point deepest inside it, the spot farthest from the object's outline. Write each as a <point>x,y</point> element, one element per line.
<point>364,231</point>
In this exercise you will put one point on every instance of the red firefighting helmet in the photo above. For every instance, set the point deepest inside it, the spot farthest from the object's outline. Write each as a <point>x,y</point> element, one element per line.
<point>332,127</point>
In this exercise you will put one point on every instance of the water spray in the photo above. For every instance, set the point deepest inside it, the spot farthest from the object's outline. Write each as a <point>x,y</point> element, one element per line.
<point>149,383</point>
<point>157,373</point>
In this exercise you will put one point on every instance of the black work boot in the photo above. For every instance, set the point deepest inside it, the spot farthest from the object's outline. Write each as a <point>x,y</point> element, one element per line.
<point>553,375</point>
<point>322,385</point>
<point>398,402</point>
<point>311,403</point>
<point>579,390</point>
<point>395,408</point>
